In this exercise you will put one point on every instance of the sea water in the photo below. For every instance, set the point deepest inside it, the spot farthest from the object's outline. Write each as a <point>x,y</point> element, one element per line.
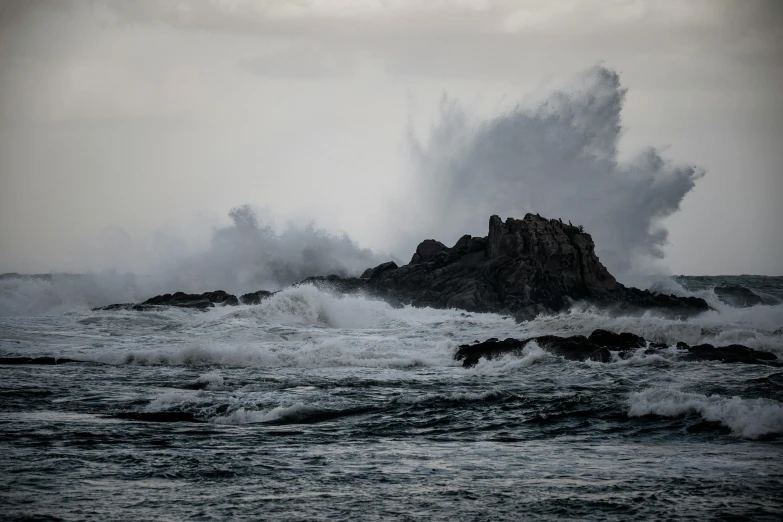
<point>318,406</point>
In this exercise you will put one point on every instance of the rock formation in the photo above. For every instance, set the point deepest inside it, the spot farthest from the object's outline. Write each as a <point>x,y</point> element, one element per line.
<point>599,345</point>
<point>198,301</point>
<point>522,268</point>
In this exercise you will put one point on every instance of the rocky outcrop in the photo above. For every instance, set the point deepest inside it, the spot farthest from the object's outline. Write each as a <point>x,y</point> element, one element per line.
<point>196,301</point>
<point>523,267</point>
<point>183,300</point>
<point>730,353</point>
<point>600,345</point>
<point>374,273</point>
<point>254,298</point>
<point>426,250</point>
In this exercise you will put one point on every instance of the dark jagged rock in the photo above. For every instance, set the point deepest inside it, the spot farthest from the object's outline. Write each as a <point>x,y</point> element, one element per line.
<point>36,360</point>
<point>729,354</point>
<point>195,301</point>
<point>624,340</point>
<point>524,267</point>
<point>574,348</point>
<point>254,298</point>
<point>183,300</point>
<point>372,273</point>
<point>426,250</point>
<point>599,345</point>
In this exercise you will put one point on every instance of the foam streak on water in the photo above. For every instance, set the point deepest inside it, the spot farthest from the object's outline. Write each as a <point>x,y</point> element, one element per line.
<point>314,405</point>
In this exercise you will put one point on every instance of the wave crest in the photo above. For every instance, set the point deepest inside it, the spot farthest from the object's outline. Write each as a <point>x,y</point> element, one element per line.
<point>749,418</point>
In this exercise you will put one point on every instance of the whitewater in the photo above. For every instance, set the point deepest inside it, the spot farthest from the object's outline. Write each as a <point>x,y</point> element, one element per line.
<point>313,405</point>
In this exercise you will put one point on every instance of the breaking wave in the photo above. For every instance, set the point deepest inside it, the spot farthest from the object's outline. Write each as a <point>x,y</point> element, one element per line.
<point>750,418</point>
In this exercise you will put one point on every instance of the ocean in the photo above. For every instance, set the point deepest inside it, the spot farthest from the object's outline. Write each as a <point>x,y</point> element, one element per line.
<point>313,406</point>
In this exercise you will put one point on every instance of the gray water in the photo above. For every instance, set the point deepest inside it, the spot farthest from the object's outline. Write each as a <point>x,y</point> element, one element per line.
<point>315,406</point>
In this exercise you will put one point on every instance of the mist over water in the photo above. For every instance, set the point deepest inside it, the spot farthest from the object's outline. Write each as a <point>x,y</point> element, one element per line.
<point>252,254</point>
<point>245,256</point>
<point>558,159</point>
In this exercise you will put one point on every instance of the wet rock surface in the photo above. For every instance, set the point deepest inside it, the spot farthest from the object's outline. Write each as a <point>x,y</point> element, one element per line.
<point>196,301</point>
<point>183,300</point>
<point>254,298</point>
<point>523,267</point>
<point>600,345</point>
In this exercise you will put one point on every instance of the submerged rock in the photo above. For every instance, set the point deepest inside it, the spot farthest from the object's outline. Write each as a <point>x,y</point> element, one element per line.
<point>599,345</point>
<point>730,353</point>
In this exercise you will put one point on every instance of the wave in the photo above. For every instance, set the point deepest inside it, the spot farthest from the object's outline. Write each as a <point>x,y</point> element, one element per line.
<point>439,399</point>
<point>211,381</point>
<point>243,409</point>
<point>308,327</point>
<point>296,412</point>
<point>749,418</point>
<point>531,354</point>
<point>756,327</point>
<point>307,305</point>
<point>335,353</point>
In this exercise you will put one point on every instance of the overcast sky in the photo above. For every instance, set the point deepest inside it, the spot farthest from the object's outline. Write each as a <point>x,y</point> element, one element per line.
<point>128,123</point>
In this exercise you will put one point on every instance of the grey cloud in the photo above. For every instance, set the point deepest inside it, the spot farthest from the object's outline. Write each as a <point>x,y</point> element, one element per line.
<point>453,41</point>
<point>301,61</point>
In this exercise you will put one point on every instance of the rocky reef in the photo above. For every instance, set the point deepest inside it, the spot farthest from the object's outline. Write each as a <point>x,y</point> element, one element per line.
<point>197,301</point>
<point>600,345</point>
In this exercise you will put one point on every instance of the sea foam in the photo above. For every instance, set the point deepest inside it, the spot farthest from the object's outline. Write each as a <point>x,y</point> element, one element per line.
<point>749,418</point>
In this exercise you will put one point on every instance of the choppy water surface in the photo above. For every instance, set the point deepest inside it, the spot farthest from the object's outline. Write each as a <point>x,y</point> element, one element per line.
<point>314,406</point>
